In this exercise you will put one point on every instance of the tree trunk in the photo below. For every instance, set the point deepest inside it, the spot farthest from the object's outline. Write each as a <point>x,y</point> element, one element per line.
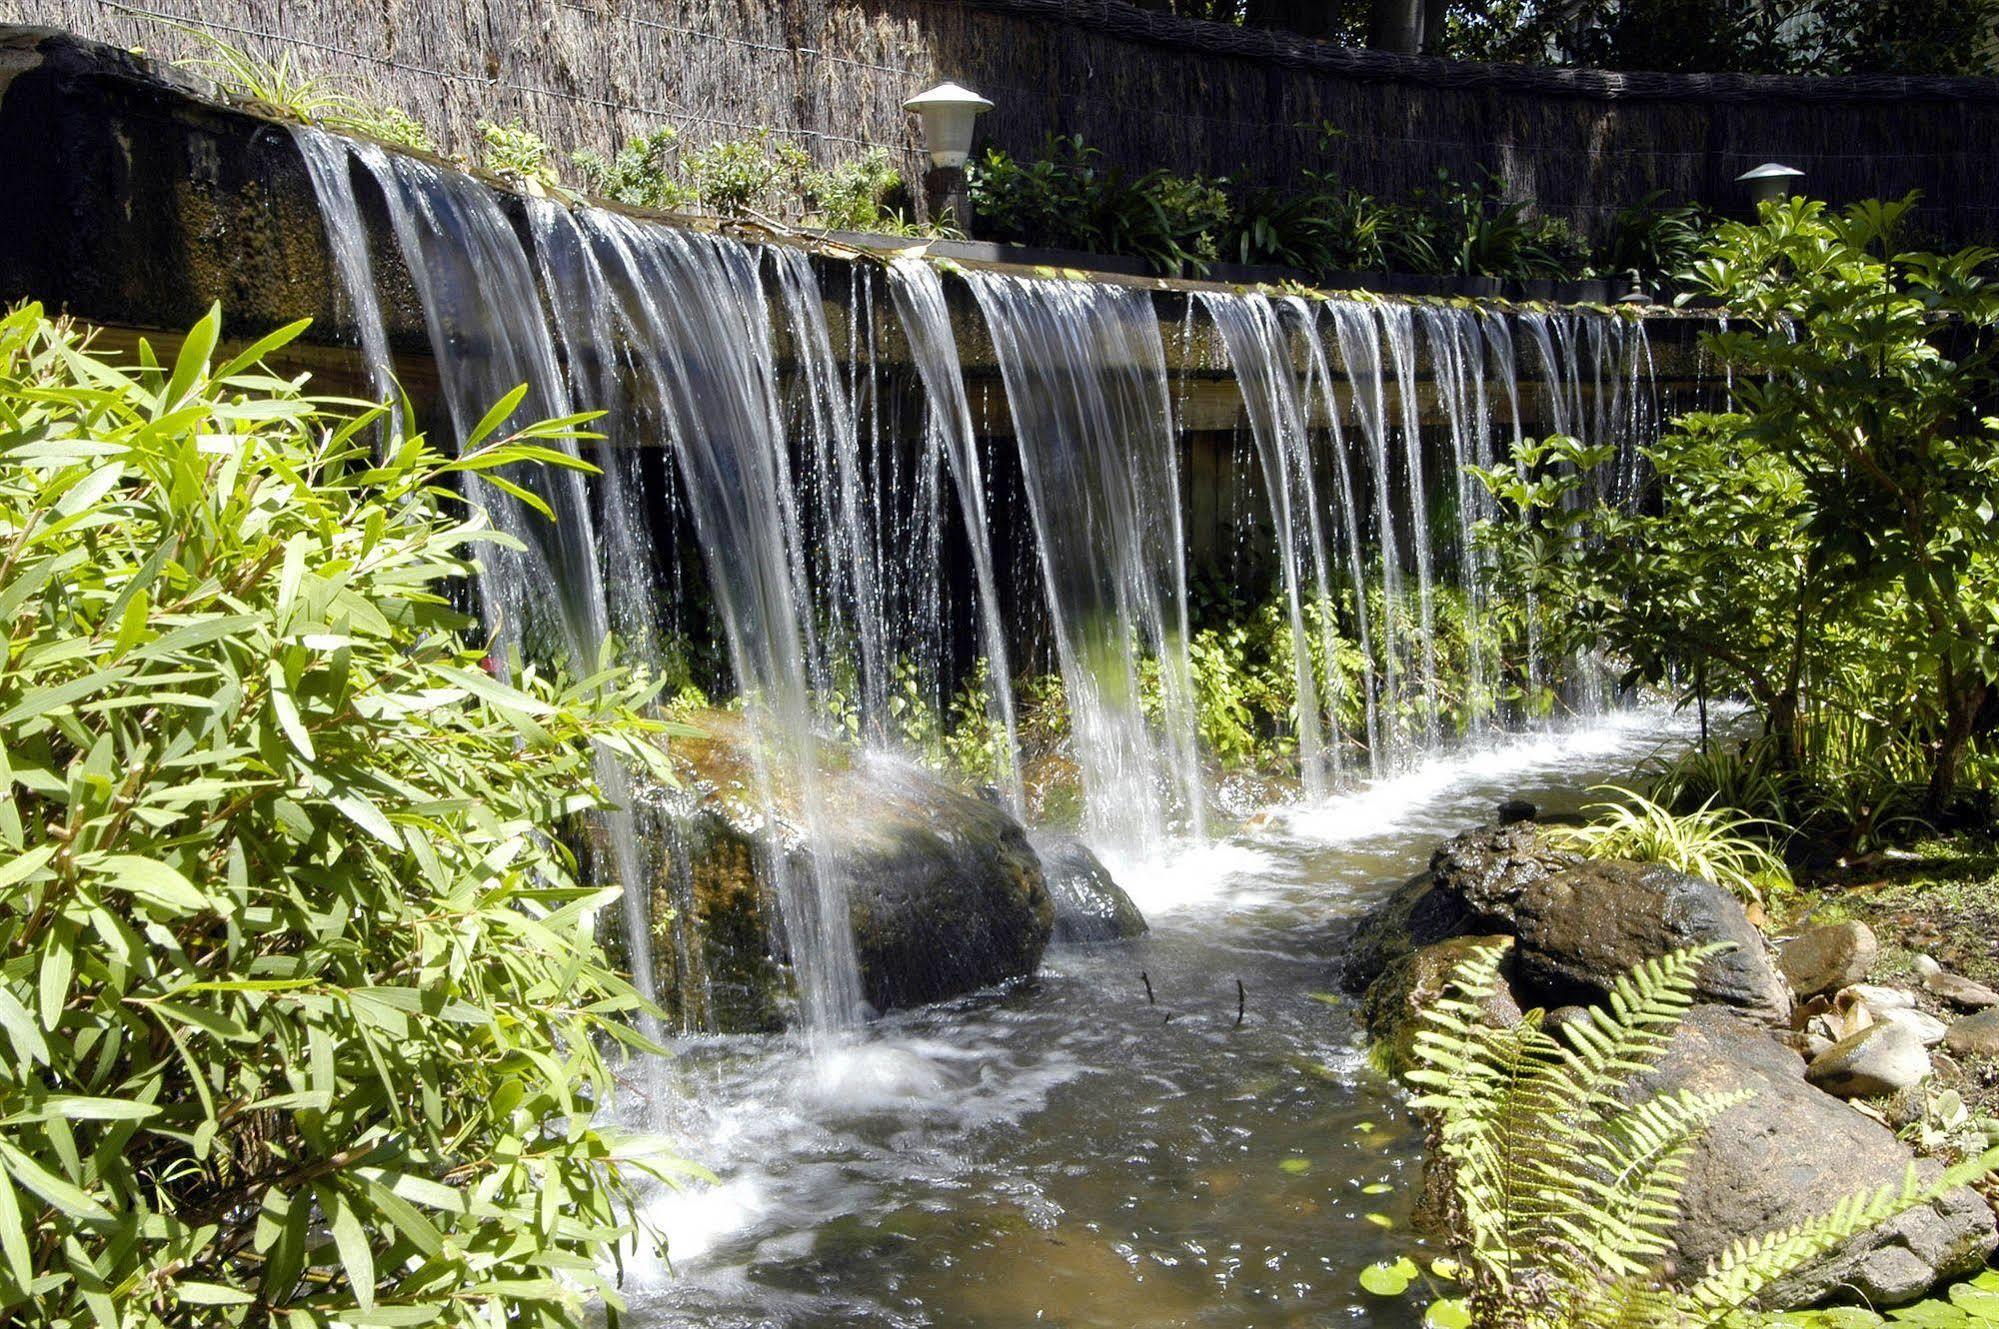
<point>1397,26</point>
<point>1433,16</point>
<point>1961,707</point>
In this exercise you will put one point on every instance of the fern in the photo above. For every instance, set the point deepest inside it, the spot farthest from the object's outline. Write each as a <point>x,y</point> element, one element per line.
<point>1563,1195</point>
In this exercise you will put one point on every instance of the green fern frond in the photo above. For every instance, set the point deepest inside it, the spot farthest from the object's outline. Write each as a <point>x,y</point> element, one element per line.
<point>1610,1046</point>
<point>1747,1267</point>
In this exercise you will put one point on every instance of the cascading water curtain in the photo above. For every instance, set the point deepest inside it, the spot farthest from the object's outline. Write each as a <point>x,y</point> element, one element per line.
<point>1259,350</point>
<point>822,529</point>
<point>1085,377</point>
<point>926,321</point>
<point>685,322</point>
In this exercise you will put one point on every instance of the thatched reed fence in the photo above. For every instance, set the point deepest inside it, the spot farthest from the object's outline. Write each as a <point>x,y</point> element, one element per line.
<point>1148,89</point>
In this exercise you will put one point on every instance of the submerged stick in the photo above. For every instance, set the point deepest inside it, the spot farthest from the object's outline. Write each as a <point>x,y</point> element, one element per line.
<point>1241,1002</point>
<point>1146,979</point>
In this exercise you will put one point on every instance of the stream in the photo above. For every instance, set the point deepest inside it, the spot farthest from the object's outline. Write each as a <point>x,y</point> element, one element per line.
<point>1071,1151</point>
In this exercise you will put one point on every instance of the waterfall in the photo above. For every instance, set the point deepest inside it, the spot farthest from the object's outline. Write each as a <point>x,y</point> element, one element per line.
<point>1358,334</point>
<point>1306,314</point>
<point>326,164</point>
<point>1260,353</point>
<point>1085,376</point>
<point>694,321</point>
<point>926,320</point>
<point>682,320</point>
<point>1457,356</point>
<point>821,518</point>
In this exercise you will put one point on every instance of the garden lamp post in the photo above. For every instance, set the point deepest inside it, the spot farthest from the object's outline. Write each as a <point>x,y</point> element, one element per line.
<point>947,112</point>
<point>1771,182</point>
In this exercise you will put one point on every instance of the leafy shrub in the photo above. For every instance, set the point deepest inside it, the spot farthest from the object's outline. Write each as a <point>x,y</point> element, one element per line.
<point>857,195</point>
<point>746,177</point>
<point>1847,803</point>
<point>385,124</point>
<point>516,153</point>
<point>1562,1196</point>
<point>1707,842</point>
<point>282,87</point>
<point>1823,548</point>
<point>642,173</point>
<point>303,1014</point>
<point>1655,240</point>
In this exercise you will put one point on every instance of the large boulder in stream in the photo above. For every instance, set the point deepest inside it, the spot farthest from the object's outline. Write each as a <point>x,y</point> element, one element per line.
<point>945,893</point>
<point>1579,923</point>
<point>1089,907</point>
<point>1791,1153</point>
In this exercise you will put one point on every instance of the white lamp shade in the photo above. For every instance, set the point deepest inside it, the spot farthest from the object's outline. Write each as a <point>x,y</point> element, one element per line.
<point>1770,181</point>
<point>948,112</point>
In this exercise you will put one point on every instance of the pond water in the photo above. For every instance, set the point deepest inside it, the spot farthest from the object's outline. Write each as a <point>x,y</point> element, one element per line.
<point>1077,1150</point>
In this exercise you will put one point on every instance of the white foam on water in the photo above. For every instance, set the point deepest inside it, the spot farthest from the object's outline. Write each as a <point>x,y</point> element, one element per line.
<point>1394,806</point>
<point>1185,872</point>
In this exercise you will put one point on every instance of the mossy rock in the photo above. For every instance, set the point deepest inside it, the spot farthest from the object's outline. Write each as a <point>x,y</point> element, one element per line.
<point>945,893</point>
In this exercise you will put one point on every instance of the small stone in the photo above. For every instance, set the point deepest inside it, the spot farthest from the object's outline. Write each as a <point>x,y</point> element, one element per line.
<point>1877,998</point>
<point>1804,1042</point>
<point>1562,1015</point>
<point>1975,1035</point>
<point>1954,988</point>
<point>1920,1023</point>
<point>1828,958</point>
<point>1881,1059</point>
<point>1516,809</point>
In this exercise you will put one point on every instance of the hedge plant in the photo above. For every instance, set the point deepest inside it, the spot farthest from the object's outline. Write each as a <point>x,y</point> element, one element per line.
<point>302,1018</point>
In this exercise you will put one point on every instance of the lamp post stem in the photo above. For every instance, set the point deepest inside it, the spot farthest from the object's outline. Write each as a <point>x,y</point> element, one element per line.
<point>948,196</point>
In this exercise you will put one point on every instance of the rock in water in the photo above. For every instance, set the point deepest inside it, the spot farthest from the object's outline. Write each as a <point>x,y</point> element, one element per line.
<point>945,893</point>
<point>1416,915</point>
<point>1487,868</point>
<point>1828,958</point>
<point>1975,1035</point>
<point>1954,988</point>
<point>1583,928</point>
<point>1880,1059</point>
<point>1792,1153</point>
<point>1089,906</point>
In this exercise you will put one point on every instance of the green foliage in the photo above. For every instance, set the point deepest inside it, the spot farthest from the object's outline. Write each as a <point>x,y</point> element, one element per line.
<point>746,177</point>
<point>641,175</point>
<point>518,155</point>
<point>282,87</point>
<point>385,124</point>
<point>759,176</point>
<point>1067,199</point>
<point>1860,789</point>
<point>1472,230</point>
<point>1826,547</point>
<point>1657,240</point>
<point>1707,842</point>
<point>1731,36</point>
<point>1562,1195</point>
<point>302,1010</point>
